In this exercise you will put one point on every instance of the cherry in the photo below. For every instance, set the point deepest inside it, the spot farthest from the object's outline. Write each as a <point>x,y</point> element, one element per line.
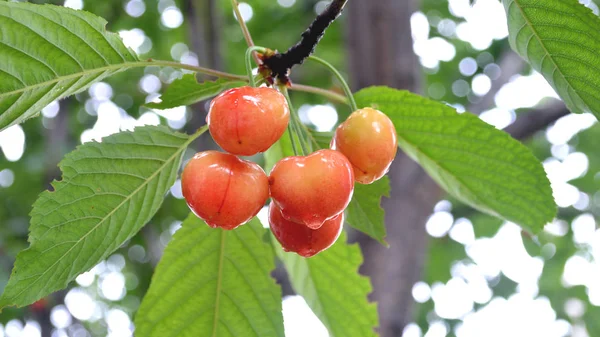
<point>246,120</point>
<point>314,188</point>
<point>39,306</point>
<point>295,237</point>
<point>368,139</point>
<point>223,190</point>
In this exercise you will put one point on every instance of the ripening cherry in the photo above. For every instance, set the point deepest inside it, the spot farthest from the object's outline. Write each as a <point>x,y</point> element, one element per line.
<point>223,190</point>
<point>314,188</point>
<point>39,306</point>
<point>368,139</point>
<point>295,237</point>
<point>246,120</point>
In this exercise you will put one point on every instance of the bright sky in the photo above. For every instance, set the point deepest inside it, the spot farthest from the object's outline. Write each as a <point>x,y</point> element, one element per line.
<point>523,314</point>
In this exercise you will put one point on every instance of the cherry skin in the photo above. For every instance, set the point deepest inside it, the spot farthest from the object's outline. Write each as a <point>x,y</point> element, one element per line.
<point>368,139</point>
<point>246,120</point>
<point>223,190</point>
<point>297,238</point>
<point>314,188</point>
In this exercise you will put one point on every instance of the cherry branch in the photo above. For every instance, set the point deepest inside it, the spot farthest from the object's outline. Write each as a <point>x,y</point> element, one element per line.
<point>528,123</point>
<point>281,64</point>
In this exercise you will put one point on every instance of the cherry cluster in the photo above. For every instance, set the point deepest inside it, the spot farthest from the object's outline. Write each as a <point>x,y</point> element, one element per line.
<point>309,193</point>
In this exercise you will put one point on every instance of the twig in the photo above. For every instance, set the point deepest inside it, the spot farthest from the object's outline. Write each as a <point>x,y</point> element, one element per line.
<point>281,64</point>
<point>527,124</point>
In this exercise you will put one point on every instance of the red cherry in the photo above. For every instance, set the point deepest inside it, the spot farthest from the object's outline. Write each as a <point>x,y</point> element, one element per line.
<point>223,190</point>
<point>246,120</point>
<point>295,237</point>
<point>39,305</point>
<point>368,139</point>
<point>314,188</point>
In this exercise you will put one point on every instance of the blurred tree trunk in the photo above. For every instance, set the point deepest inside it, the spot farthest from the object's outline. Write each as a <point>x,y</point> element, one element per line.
<point>56,141</point>
<point>380,52</point>
<point>204,37</point>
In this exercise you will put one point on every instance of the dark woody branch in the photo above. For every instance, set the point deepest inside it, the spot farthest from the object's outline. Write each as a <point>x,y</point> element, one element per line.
<point>537,119</point>
<point>280,64</point>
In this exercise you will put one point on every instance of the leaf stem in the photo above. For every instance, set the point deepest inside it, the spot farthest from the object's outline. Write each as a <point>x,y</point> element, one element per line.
<point>340,78</point>
<point>197,69</point>
<point>249,53</point>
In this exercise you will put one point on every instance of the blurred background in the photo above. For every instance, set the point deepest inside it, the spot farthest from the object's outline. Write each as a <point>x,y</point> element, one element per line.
<point>450,271</point>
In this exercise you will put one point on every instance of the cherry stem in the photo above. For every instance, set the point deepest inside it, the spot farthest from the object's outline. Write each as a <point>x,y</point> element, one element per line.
<point>249,52</point>
<point>340,78</point>
<point>244,27</point>
<point>331,95</point>
<point>293,141</point>
<point>297,126</point>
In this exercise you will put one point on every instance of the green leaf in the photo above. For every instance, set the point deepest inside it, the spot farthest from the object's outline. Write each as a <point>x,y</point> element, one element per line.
<point>561,40</point>
<point>109,190</point>
<point>212,282</point>
<point>485,225</point>
<point>187,91</point>
<point>334,290</point>
<point>49,52</point>
<point>476,163</point>
<point>365,212</point>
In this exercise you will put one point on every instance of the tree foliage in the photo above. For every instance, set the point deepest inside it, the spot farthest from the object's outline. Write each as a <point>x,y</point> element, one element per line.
<point>218,283</point>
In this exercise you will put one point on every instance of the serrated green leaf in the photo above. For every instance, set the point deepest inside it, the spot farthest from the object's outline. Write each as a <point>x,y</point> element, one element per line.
<point>50,52</point>
<point>108,191</point>
<point>187,91</point>
<point>213,283</point>
<point>333,288</point>
<point>475,162</point>
<point>365,212</point>
<point>561,40</point>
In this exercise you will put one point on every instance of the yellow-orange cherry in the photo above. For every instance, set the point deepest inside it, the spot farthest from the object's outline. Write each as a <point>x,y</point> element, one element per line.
<point>297,238</point>
<point>246,120</point>
<point>368,139</point>
<point>312,189</point>
<point>223,190</point>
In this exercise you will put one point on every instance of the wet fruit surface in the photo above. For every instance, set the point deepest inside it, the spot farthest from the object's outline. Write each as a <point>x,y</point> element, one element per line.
<point>311,189</point>
<point>368,139</point>
<point>295,237</point>
<point>246,121</point>
<point>223,190</point>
